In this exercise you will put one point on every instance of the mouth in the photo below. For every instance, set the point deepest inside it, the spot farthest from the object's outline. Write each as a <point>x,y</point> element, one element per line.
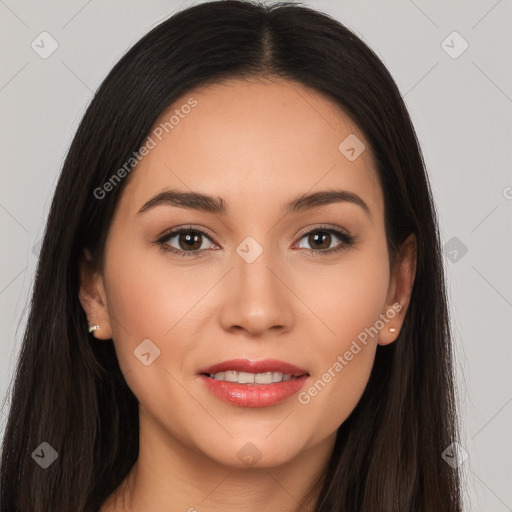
<point>246,383</point>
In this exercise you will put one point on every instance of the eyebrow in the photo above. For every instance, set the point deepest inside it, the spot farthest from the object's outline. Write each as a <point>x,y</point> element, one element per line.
<point>216,205</point>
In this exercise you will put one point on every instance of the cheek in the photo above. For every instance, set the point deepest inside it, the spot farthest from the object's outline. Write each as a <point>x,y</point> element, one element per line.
<point>332,395</point>
<point>350,307</point>
<point>149,299</point>
<point>348,297</point>
<point>148,291</point>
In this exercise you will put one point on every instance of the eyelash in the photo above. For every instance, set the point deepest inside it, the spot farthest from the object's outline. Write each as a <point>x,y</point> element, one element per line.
<point>347,241</point>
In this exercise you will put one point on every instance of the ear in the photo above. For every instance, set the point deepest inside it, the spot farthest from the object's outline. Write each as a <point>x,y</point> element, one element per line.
<point>399,292</point>
<point>94,298</point>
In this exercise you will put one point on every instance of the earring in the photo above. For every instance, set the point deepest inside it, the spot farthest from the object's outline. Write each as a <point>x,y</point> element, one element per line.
<point>392,329</point>
<point>93,328</point>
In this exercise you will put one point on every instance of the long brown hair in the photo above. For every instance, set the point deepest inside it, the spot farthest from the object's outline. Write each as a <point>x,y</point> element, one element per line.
<point>71,393</point>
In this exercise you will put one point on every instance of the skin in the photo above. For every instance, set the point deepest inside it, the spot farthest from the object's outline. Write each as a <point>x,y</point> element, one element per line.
<point>257,145</point>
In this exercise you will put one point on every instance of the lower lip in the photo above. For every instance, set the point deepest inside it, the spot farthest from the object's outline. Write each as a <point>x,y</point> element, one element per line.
<point>254,395</point>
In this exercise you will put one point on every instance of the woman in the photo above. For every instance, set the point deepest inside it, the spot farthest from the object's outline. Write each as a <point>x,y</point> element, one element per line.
<point>240,300</point>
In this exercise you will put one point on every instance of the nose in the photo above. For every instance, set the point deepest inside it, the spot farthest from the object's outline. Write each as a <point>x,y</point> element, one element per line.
<point>257,296</point>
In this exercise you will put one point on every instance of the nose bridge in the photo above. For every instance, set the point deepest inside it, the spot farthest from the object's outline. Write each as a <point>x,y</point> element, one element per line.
<point>253,261</point>
<point>257,299</point>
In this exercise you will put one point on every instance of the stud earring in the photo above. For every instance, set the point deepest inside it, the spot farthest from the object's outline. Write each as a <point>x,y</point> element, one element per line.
<point>93,328</point>
<point>392,329</point>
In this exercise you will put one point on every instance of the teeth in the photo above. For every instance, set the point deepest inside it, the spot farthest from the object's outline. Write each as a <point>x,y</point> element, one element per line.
<point>263,378</point>
<point>277,376</point>
<point>228,376</point>
<point>246,378</point>
<point>251,378</point>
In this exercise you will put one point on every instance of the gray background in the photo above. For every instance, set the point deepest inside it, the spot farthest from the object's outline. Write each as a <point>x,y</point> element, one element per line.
<point>461,108</point>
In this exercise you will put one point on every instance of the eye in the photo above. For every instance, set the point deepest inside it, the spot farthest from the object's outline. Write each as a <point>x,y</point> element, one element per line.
<point>321,238</point>
<point>184,241</point>
<point>187,241</point>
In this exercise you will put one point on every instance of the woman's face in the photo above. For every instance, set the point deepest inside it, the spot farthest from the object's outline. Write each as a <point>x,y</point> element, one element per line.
<point>263,283</point>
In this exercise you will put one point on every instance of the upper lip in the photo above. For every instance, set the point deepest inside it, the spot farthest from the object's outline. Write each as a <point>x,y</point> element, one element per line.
<point>262,366</point>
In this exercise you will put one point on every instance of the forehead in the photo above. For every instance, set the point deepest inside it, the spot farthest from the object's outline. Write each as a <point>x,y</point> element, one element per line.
<point>255,144</point>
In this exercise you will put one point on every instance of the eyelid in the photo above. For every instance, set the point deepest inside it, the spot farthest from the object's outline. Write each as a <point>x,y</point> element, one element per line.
<point>186,228</point>
<point>326,227</point>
